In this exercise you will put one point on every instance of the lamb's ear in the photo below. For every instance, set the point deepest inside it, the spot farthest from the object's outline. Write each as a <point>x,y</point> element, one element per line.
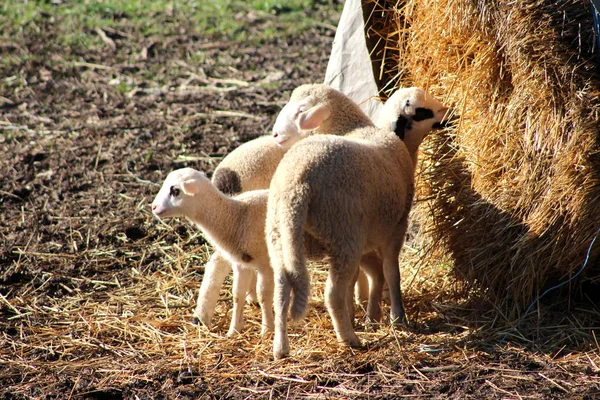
<point>313,117</point>
<point>190,187</point>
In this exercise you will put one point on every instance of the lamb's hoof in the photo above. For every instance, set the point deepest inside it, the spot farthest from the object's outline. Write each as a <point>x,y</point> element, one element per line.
<point>233,332</point>
<point>252,299</point>
<point>200,321</point>
<point>399,320</point>
<point>371,325</point>
<point>281,347</point>
<point>266,331</point>
<point>279,354</point>
<point>354,342</point>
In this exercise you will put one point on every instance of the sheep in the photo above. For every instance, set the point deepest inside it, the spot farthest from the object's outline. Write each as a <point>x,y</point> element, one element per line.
<point>252,164</point>
<point>234,225</point>
<point>353,195</point>
<point>290,127</point>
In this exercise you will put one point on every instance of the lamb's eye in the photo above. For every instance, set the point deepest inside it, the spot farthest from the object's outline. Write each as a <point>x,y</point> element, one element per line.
<point>174,192</point>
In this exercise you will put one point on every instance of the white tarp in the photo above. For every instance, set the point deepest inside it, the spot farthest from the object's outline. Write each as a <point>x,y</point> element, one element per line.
<point>349,69</point>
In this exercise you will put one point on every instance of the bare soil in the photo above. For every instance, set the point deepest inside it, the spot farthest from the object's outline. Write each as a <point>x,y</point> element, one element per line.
<point>88,133</point>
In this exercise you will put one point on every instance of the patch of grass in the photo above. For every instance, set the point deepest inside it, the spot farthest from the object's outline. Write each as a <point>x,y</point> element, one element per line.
<point>122,86</point>
<point>228,18</point>
<point>273,85</point>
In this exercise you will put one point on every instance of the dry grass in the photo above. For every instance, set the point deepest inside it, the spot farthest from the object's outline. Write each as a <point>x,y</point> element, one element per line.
<point>132,335</point>
<point>511,192</point>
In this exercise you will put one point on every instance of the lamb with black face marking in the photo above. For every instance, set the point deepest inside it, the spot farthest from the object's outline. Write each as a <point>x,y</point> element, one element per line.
<point>408,113</point>
<point>353,195</point>
<point>407,109</point>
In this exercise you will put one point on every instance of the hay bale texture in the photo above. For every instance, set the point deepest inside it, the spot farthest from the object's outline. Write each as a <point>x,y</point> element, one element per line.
<point>512,190</point>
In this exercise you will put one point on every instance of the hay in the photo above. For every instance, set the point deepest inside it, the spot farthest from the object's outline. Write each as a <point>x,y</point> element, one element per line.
<point>132,336</point>
<point>511,191</point>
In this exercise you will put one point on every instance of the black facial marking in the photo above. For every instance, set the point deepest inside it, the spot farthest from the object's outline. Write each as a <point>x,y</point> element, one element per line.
<point>246,257</point>
<point>227,181</point>
<point>422,114</point>
<point>441,125</point>
<point>174,192</point>
<point>402,124</point>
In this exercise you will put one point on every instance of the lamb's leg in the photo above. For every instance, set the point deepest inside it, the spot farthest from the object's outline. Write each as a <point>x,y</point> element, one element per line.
<point>281,289</point>
<point>215,271</point>
<point>252,297</point>
<point>391,270</point>
<point>242,277</point>
<point>265,286</point>
<point>339,284</point>
<point>361,289</point>
<point>281,304</point>
<point>371,263</point>
<point>350,297</point>
<point>392,277</point>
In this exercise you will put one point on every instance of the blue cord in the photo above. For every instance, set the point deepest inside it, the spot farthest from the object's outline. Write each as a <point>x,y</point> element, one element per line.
<point>587,258</point>
<point>595,11</point>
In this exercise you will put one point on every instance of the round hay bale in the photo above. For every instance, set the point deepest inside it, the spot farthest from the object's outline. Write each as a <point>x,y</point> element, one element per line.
<point>512,189</point>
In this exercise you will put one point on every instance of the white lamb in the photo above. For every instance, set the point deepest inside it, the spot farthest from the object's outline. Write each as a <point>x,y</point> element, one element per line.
<point>312,109</point>
<point>234,225</point>
<point>249,167</point>
<point>353,195</point>
<point>252,165</point>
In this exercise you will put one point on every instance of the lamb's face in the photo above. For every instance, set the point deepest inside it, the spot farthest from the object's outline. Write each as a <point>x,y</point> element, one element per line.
<point>412,111</point>
<point>286,131</point>
<point>173,196</point>
<point>298,119</point>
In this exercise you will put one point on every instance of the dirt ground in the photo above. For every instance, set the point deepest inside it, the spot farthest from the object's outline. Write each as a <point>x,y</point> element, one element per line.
<point>96,295</point>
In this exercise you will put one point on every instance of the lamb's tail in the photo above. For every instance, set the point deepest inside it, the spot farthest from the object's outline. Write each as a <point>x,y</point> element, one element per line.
<point>294,258</point>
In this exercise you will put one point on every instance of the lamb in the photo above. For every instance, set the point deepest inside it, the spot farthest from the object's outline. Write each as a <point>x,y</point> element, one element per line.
<point>249,167</point>
<point>252,165</point>
<point>353,195</point>
<point>290,127</point>
<point>234,225</point>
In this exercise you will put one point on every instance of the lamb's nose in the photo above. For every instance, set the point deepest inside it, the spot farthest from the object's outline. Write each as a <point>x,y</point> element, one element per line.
<point>275,134</point>
<point>154,206</point>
